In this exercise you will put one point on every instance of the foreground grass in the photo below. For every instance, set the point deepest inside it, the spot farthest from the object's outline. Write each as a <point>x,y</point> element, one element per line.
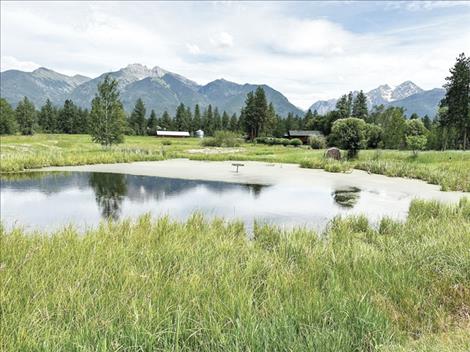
<point>450,170</point>
<point>200,286</point>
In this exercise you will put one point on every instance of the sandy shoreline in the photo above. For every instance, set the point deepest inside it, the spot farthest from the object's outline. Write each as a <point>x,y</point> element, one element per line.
<point>270,173</point>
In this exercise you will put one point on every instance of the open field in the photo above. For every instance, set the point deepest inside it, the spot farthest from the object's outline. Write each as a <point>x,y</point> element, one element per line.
<point>450,170</point>
<point>146,286</point>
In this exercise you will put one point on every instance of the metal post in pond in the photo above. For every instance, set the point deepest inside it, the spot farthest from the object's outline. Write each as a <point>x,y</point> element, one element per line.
<point>237,165</point>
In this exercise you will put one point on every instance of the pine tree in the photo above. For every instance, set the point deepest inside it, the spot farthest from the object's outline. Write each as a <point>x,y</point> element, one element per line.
<point>270,122</point>
<point>217,124</point>
<point>359,108</point>
<point>137,120</point>
<point>66,117</point>
<point>81,122</point>
<point>166,122</point>
<point>181,123</point>
<point>255,112</point>
<point>208,121</point>
<point>233,124</point>
<point>308,120</point>
<point>342,106</point>
<point>8,123</point>
<point>47,117</point>
<point>26,117</point>
<point>457,98</point>
<point>107,117</point>
<point>225,121</point>
<point>152,124</point>
<point>188,120</point>
<point>197,124</point>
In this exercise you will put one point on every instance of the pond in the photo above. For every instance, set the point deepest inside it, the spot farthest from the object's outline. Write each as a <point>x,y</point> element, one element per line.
<point>48,201</point>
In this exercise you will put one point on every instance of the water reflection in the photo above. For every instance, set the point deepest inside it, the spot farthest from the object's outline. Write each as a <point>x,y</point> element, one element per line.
<point>347,197</point>
<point>110,190</point>
<point>51,200</point>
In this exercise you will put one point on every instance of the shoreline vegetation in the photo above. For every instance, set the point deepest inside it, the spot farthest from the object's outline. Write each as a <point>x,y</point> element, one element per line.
<point>449,169</point>
<point>203,285</point>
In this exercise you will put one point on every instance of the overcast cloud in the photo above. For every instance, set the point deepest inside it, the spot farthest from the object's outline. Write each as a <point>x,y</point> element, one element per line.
<point>308,51</point>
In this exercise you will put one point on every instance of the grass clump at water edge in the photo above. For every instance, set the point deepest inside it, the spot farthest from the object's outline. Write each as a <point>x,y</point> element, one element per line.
<point>199,285</point>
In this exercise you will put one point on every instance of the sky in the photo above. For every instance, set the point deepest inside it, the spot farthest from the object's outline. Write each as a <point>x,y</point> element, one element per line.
<point>307,50</point>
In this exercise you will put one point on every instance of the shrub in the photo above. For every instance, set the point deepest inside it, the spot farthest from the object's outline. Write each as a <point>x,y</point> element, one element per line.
<point>317,142</point>
<point>166,142</point>
<point>416,143</point>
<point>373,135</point>
<point>222,139</point>
<point>296,142</point>
<point>350,134</point>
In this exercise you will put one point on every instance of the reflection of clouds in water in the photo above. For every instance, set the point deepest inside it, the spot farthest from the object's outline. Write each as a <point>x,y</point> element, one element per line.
<point>86,197</point>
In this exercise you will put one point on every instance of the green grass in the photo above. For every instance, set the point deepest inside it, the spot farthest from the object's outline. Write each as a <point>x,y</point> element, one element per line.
<point>203,286</point>
<point>450,170</point>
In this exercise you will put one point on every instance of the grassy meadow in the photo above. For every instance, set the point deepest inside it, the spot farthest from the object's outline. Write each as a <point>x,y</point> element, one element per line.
<point>158,285</point>
<point>450,170</point>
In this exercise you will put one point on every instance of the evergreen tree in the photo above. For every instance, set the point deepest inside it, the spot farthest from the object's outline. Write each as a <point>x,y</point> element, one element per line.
<point>427,122</point>
<point>217,123</point>
<point>225,121</point>
<point>189,120</point>
<point>107,117</point>
<point>26,117</point>
<point>181,122</point>
<point>414,116</point>
<point>343,107</point>
<point>269,124</point>
<point>197,123</point>
<point>8,123</point>
<point>166,122</point>
<point>67,116</point>
<point>359,108</point>
<point>152,124</point>
<point>233,124</point>
<point>308,120</point>
<point>47,117</point>
<point>137,120</point>
<point>256,112</point>
<point>457,98</point>
<point>208,121</point>
<point>81,121</point>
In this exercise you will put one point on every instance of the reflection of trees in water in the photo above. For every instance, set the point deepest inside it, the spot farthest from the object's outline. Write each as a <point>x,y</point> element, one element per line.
<point>110,190</point>
<point>255,190</point>
<point>142,188</point>
<point>347,197</point>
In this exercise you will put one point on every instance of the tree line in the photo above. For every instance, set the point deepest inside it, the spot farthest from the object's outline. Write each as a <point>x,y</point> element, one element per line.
<point>380,127</point>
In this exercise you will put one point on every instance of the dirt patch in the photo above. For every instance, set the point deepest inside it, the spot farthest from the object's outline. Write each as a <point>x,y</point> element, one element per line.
<point>216,150</point>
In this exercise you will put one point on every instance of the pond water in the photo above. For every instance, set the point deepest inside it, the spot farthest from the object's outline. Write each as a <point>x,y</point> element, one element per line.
<point>48,201</point>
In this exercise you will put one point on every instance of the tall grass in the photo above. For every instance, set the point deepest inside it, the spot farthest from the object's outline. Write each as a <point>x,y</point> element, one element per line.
<point>203,286</point>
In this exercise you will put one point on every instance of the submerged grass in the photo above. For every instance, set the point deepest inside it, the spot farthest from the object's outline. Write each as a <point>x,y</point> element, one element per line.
<point>203,286</point>
<point>450,170</point>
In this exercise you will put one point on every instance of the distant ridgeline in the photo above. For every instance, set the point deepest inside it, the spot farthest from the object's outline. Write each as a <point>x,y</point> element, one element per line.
<point>161,90</point>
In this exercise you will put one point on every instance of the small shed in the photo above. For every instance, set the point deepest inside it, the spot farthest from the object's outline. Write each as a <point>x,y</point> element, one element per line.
<point>200,133</point>
<point>175,134</point>
<point>303,135</point>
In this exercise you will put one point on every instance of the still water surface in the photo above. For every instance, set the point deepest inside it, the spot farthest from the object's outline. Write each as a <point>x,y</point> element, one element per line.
<point>48,201</point>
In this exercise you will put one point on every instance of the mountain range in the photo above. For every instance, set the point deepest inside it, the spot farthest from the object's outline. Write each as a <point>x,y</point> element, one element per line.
<point>159,89</point>
<point>163,90</point>
<point>407,95</point>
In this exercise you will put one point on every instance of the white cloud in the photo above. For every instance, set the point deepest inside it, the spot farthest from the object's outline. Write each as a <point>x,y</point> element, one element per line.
<point>193,49</point>
<point>12,63</point>
<point>304,55</point>
<point>222,40</point>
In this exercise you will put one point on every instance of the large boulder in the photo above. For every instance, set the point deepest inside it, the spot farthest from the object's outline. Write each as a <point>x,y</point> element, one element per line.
<point>333,153</point>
